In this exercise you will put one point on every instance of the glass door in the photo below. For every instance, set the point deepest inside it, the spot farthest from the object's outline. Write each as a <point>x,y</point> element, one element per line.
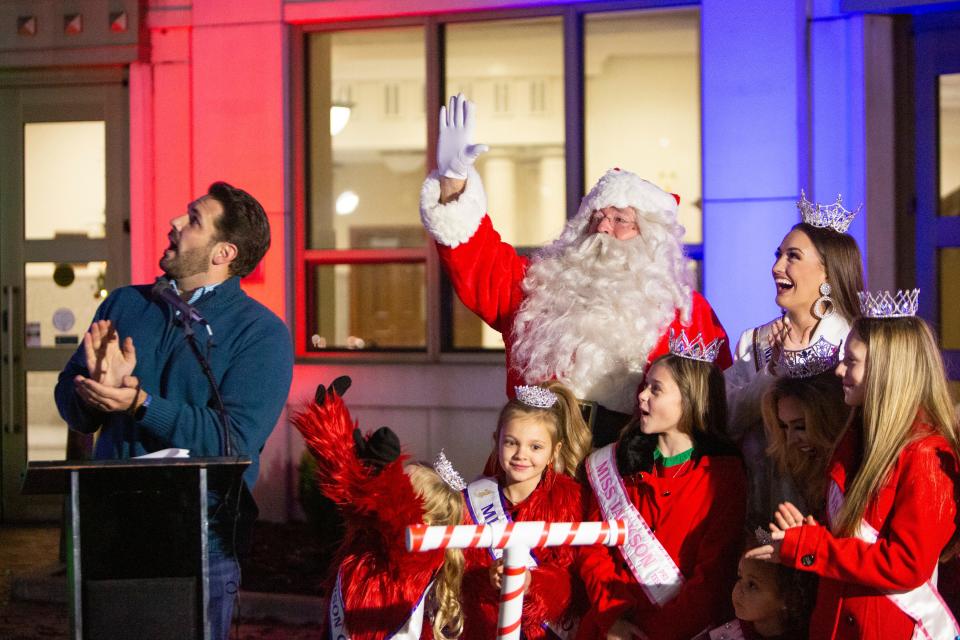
<point>64,194</point>
<point>938,189</point>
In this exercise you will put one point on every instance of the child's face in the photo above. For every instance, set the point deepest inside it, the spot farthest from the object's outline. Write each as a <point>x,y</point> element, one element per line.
<point>756,597</point>
<point>853,369</point>
<point>661,406</point>
<point>525,449</point>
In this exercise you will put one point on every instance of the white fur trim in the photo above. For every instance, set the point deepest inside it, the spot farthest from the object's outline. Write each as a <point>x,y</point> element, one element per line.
<point>454,223</point>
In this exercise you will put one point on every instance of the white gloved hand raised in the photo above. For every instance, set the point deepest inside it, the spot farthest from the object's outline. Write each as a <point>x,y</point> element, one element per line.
<point>455,151</point>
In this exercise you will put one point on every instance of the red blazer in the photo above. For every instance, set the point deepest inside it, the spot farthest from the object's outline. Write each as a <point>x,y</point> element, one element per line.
<point>915,513</point>
<point>557,498</point>
<point>382,582</point>
<point>486,274</point>
<point>699,519</point>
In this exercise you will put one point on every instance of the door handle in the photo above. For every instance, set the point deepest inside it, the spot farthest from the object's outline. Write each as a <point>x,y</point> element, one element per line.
<point>9,419</point>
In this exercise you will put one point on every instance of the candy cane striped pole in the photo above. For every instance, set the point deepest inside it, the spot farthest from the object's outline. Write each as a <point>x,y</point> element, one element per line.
<point>516,539</point>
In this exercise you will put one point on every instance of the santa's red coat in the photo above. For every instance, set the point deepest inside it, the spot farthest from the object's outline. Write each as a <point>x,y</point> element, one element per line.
<point>486,274</point>
<point>557,498</point>
<point>698,518</point>
<point>381,581</point>
<point>915,513</point>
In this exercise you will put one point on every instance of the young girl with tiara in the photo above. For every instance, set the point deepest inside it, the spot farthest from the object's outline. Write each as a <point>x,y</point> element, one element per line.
<point>681,487</point>
<point>803,415</point>
<point>893,480</point>
<point>380,590</point>
<point>540,440</point>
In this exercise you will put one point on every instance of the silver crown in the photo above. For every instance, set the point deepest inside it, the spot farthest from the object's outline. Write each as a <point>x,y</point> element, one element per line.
<point>447,473</point>
<point>883,304</point>
<point>835,216</point>
<point>694,349</point>
<point>534,396</point>
<point>805,363</point>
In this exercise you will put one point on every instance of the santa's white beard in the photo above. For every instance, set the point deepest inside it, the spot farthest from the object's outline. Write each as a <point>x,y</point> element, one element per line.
<point>594,310</point>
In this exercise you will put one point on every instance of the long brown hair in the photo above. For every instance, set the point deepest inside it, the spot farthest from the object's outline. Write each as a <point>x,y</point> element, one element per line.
<point>824,416</point>
<point>892,402</point>
<point>703,415</point>
<point>442,505</point>
<point>563,420</point>
<point>842,263</point>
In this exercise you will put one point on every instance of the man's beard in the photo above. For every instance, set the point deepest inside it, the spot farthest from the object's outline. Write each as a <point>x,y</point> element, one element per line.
<point>188,263</point>
<point>594,311</point>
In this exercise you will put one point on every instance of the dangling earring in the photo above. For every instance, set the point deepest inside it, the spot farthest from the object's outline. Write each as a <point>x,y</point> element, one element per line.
<point>824,301</point>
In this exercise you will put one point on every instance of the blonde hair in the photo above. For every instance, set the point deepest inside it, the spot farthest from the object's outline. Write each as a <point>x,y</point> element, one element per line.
<point>564,422</point>
<point>824,416</point>
<point>892,402</point>
<point>442,505</point>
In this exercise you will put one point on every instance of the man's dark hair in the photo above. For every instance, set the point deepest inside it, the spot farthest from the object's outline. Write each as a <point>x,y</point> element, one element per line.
<point>243,223</point>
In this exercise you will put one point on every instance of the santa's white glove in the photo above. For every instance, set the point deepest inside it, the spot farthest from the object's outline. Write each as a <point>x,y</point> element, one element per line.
<point>455,151</point>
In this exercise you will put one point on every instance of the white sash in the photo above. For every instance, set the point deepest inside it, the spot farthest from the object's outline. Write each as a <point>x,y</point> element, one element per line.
<point>729,631</point>
<point>932,617</point>
<point>410,630</point>
<point>651,565</point>
<point>485,507</point>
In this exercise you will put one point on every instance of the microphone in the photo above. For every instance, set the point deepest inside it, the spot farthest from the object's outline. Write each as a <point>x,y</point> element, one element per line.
<point>163,290</point>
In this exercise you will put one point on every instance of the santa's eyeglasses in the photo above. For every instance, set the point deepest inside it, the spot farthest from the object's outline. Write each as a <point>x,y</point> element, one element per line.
<point>618,218</point>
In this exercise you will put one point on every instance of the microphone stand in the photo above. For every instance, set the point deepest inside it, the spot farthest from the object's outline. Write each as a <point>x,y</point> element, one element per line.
<point>222,413</point>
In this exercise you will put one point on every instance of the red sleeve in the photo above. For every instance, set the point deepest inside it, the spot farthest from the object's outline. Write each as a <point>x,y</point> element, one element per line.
<point>920,524</point>
<point>610,595</point>
<point>486,274</point>
<point>706,592</point>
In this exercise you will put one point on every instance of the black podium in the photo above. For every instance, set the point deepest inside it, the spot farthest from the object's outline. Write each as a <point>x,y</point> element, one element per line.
<point>137,542</point>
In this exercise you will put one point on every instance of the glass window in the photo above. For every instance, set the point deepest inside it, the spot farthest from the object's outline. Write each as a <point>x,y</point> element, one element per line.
<point>62,160</point>
<point>367,159</point>
<point>949,294</point>
<point>61,300</point>
<point>364,252</point>
<point>950,144</point>
<point>642,102</point>
<point>513,71</point>
<point>367,134</point>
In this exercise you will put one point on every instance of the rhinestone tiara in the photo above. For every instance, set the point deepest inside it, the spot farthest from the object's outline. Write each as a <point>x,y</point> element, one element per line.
<point>694,349</point>
<point>805,363</point>
<point>835,216</point>
<point>447,473</point>
<point>534,396</point>
<point>883,304</point>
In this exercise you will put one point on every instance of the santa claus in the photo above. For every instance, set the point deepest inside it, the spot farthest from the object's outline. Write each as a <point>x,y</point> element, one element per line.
<point>593,308</point>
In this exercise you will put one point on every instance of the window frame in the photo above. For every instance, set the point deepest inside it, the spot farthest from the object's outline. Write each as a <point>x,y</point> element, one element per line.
<point>438,311</point>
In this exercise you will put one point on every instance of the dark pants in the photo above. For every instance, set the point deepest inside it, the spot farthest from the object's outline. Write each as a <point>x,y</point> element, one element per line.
<point>224,586</point>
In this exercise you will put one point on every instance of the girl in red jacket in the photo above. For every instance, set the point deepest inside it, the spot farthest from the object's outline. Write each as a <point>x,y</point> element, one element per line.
<point>381,590</point>
<point>892,493</point>
<point>681,486</point>
<point>541,440</point>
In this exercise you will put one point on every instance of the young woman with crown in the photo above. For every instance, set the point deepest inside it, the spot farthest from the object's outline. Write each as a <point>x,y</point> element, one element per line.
<point>681,486</point>
<point>892,494</point>
<point>803,416</point>
<point>380,590</point>
<point>540,442</point>
<point>817,273</point>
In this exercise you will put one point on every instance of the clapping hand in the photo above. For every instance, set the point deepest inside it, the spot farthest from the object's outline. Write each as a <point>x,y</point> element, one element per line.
<point>456,152</point>
<point>108,363</point>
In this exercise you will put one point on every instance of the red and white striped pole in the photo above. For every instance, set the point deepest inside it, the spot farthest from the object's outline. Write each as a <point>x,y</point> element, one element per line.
<point>516,539</point>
